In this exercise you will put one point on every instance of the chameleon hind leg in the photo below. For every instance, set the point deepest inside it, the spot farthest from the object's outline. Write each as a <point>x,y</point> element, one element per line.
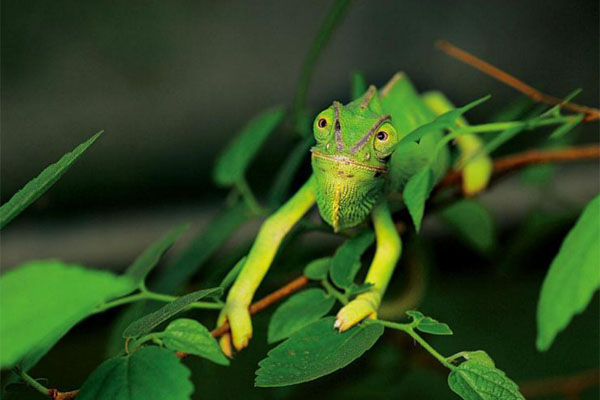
<point>477,170</point>
<point>263,251</point>
<point>387,254</point>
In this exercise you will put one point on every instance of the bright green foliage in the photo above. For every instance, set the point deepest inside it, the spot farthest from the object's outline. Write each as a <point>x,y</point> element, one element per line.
<point>191,337</point>
<point>473,380</point>
<point>151,321</point>
<point>573,277</point>
<point>144,263</point>
<point>318,269</point>
<point>232,163</point>
<point>359,85</point>
<point>315,351</point>
<point>346,260</point>
<point>38,186</point>
<point>42,300</point>
<point>298,311</point>
<point>416,193</point>
<point>150,373</point>
<point>480,356</point>
<point>473,223</point>
<point>428,324</point>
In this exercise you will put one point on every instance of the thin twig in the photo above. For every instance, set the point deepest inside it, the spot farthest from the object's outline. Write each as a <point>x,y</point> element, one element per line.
<point>591,114</point>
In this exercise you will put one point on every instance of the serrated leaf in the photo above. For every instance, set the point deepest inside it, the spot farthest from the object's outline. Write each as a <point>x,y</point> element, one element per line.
<point>42,300</point>
<point>415,194</point>
<point>433,327</point>
<point>415,315</point>
<point>233,273</point>
<point>40,184</point>
<point>318,269</point>
<point>480,356</point>
<point>142,265</point>
<point>151,321</point>
<point>315,351</point>
<point>346,260</point>
<point>192,337</point>
<point>298,311</point>
<point>473,223</point>
<point>473,380</point>
<point>573,277</point>
<point>149,373</point>
<point>232,163</point>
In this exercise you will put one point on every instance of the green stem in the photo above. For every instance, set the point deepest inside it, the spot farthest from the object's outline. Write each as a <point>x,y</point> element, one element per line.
<point>29,380</point>
<point>334,292</point>
<point>409,329</point>
<point>147,295</point>
<point>334,16</point>
<point>248,196</point>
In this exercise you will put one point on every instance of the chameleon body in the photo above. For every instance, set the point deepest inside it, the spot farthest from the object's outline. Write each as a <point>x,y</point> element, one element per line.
<point>357,171</point>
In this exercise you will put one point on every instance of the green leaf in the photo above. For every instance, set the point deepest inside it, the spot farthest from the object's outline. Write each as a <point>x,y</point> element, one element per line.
<point>233,273</point>
<point>480,356</point>
<point>433,327</point>
<point>151,321</point>
<point>359,85</point>
<point>346,260</point>
<point>142,265</point>
<point>473,223</point>
<point>416,193</point>
<point>232,163</point>
<point>40,184</point>
<point>473,380</point>
<point>315,351</point>
<point>42,300</point>
<point>298,311</point>
<point>318,269</point>
<point>201,247</point>
<point>573,277</point>
<point>355,289</point>
<point>565,128</point>
<point>149,373</point>
<point>192,337</point>
<point>415,315</point>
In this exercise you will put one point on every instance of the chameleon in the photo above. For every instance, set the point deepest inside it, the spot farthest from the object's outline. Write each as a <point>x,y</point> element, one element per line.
<point>358,174</point>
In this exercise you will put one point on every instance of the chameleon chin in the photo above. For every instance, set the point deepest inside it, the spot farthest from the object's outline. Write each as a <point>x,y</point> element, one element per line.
<point>355,169</point>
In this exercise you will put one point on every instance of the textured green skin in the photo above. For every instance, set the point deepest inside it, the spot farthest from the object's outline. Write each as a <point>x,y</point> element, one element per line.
<point>355,176</point>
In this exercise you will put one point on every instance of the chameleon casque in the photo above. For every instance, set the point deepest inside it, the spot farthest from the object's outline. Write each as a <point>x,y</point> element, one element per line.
<point>357,176</point>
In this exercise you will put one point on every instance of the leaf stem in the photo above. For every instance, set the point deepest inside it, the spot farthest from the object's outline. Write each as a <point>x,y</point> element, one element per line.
<point>29,380</point>
<point>342,298</point>
<point>409,329</point>
<point>145,294</point>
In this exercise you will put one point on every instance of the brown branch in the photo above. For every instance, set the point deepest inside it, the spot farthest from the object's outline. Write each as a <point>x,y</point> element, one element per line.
<point>569,386</point>
<point>510,163</point>
<point>501,166</point>
<point>591,114</point>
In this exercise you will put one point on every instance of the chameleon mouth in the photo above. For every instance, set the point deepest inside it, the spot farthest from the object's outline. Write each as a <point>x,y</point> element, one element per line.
<point>348,161</point>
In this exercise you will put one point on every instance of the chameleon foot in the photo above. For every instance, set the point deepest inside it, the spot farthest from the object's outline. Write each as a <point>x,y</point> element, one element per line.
<point>354,312</point>
<point>241,327</point>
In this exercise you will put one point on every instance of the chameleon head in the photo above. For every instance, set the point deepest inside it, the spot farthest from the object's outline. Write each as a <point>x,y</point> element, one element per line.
<point>349,161</point>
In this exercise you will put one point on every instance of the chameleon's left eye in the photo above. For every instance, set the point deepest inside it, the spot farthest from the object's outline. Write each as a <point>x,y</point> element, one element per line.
<point>385,141</point>
<point>322,123</point>
<point>382,136</point>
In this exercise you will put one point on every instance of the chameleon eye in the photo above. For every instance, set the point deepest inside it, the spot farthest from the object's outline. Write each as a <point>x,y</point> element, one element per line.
<point>382,136</point>
<point>322,123</point>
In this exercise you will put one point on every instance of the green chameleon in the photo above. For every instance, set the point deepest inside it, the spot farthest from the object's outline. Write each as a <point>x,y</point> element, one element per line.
<point>357,174</point>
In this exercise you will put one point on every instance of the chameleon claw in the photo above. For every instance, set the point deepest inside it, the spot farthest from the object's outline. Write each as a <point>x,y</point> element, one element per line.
<point>337,324</point>
<point>225,343</point>
<point>352,313</point>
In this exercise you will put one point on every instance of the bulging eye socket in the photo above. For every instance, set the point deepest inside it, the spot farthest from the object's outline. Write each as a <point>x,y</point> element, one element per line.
<point>322,123</point>
<point>322,127</point>
<point>385,141</point>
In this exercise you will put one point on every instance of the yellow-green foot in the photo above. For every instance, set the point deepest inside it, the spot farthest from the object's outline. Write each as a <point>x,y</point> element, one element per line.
<point>354,312</point>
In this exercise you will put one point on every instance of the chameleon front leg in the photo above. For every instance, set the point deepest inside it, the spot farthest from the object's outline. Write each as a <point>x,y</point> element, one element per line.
<point>257,264</point>
<point>387,254</point>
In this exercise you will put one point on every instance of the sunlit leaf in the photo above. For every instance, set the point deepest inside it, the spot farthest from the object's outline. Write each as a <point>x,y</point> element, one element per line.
<point>149,373</point>
<point>298,311</point>
<point>232,163</point>
<point>346,260</point>
<point>191,337</point>
<point>151,321</point>
<point>42,300</point>
<point>416,193</point>
<point>142,265</point>
<point>318,269</point>
<point>433,327</point>
<point>573,276</point>
<point>40,184</point>
<point>315,351</point>
<point>473,380</point>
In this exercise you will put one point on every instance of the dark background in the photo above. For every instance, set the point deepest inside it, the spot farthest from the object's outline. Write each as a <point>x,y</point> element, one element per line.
<point>171,82</point>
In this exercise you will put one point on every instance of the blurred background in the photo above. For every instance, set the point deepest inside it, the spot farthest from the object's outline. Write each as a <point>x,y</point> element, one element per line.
<point>171,82</point>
